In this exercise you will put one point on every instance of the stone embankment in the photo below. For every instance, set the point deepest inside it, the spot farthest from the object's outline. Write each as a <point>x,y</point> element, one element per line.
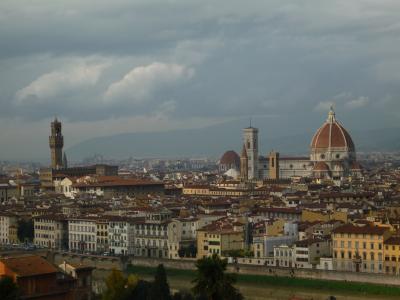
<point>120,263</point>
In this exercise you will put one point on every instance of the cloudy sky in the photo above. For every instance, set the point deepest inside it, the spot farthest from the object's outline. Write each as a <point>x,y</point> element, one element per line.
<point>106,67</point>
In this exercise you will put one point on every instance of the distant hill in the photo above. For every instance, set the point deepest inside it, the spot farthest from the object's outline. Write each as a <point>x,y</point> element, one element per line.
<point>213,141</point>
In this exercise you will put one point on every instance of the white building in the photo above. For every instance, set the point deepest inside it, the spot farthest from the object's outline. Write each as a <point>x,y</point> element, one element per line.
<point>151,239</point>
<point>82,235</point>
<point>284,256</point>
<point>121,234</point>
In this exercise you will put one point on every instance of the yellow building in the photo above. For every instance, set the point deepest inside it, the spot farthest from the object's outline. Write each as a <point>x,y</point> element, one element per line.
<point>213,239</point>
<point>392,255</point>
<point>359,248</point>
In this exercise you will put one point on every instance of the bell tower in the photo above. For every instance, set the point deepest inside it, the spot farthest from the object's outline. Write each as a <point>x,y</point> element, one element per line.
<point>56,142</point>
<point>250,139</point>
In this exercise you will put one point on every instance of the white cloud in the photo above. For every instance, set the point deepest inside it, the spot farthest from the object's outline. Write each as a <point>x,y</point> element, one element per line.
<point>60,82</point>
<point>141,82</point>
<point>358,102</point>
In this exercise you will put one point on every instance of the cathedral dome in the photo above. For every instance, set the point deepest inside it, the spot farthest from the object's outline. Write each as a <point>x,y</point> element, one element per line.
<point>332,136</point>
<point>230,159</point>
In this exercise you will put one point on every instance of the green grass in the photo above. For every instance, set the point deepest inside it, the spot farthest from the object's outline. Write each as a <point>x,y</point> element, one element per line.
<point>299,283</point>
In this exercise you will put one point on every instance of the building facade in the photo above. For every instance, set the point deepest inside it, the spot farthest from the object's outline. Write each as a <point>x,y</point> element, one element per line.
<point>359,248</point>
<point>51,232</point>
<point>8,228</point>
<point>82,235</point>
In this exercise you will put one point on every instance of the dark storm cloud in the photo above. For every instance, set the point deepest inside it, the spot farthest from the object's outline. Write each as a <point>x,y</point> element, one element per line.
<point>102,60</point>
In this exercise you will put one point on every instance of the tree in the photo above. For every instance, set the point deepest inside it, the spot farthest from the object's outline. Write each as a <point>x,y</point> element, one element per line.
<point>25,230</point>
<point>212,281</point>
<point>141,291</point>
<point>8,289</point>
<point>160,287</point>
<point>115,283</point>
<point>120,287</point>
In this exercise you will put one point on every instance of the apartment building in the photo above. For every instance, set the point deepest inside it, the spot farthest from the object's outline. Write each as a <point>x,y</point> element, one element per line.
<point>307,253</point>
<point>284,256</point>
<point>82,234</point>
<point>7,191</point>
<point>392,255</point>
<point>151,239</point>
<point>102,235</point>
<point>51,231</point>
<point>264,244</point>
<point>217,239</point>
<point>121,234</point>
<point>359,248</point>
<point>8,228</point>
<point>181,236</point>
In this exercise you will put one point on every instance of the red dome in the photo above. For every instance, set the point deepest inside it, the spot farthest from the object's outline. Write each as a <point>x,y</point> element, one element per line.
<point>332,135</point>
<point>230,158</point>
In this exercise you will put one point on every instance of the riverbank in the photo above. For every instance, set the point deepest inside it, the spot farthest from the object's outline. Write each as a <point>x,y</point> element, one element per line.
<point>257,287</point>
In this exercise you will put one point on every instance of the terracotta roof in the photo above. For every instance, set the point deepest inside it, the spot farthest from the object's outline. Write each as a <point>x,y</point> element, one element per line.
<point>116,181</point>
<point>394,240</point>
<point>366,229</point>
<point>278,210</point>
<point>25,266</point>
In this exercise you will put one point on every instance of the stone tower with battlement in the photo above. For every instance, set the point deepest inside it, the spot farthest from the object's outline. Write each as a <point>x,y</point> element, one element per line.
<point>56,142</point>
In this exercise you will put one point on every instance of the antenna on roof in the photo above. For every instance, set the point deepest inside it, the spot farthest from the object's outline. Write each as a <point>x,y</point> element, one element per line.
<point>250,122</point>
